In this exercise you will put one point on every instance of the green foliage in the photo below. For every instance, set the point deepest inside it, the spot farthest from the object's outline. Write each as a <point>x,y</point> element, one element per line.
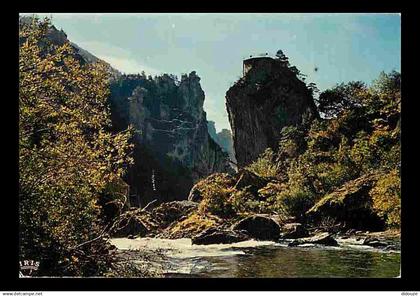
<point>265,165</point>
<point>295,201</point>
<point>342,97</point>
<point>243,201</point>
<point>67,156</point>
<point>216,192</point>
<point>387,83</point>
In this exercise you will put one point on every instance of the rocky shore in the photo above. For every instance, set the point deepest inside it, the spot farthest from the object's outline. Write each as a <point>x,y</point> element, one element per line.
<point>168,221</point>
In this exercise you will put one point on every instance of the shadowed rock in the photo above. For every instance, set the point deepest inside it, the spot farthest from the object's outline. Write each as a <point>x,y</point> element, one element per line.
<point>293,230</point>
<point>351,205</point>
<point>324,238</point>
<point>215,235</point>
<point>258,227</point>
<point>170,212</point>
<point>269,97</point>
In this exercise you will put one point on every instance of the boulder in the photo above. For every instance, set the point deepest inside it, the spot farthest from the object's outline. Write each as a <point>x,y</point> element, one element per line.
<point>293,230</point>
<point>323,238</point>
<point>374,242</point>
<point>217,235</point>
<point>248,179</point>
<point>130,226</point>
<point>195,194</point>
<point>222,179</point>
<point>258,227</point>
<point>350,205</point>
<point>169,212</point>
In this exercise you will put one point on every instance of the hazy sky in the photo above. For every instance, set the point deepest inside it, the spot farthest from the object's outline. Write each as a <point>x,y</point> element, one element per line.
<point>344,47</point>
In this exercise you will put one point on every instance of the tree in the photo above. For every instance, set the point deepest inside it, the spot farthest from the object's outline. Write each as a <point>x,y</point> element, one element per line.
<point>342,97</point>
<point>387,83</point>
<point>68,158</point>
<point>313,88</point>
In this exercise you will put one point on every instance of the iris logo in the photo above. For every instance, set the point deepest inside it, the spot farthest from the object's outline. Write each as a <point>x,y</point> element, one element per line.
<point>28,267</point>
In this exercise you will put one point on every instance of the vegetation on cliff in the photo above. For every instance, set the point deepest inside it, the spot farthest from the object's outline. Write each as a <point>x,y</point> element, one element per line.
<point>343,168</point>
<point>70,164</point>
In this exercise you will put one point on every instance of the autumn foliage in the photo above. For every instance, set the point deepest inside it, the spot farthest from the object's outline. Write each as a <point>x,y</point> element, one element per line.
<point>68,157</point>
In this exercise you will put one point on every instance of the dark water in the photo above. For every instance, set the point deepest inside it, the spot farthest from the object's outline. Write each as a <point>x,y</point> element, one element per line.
<point>296,262</point>
<point>263,259</point>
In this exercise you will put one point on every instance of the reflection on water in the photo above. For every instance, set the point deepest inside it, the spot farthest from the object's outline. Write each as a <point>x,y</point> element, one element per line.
<point>266,259</point>
<point>294,262</point>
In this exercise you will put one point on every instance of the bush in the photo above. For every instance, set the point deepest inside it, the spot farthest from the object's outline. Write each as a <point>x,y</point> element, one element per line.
<point>265,165</point>
<point>216,191</point>
<point>386,196</point>
<point>295,201</point>
<point>244,201</point>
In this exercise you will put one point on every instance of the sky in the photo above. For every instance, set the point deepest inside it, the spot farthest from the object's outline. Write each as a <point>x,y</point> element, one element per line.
<point>344,47</point>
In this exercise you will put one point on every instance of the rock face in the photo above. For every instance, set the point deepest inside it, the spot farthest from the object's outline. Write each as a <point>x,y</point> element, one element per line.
<point>351,205</point>
<point>173,148</point>
<point>223,138</point>
<point>269,97</point>
<point>258,227</point>
<point>247,179</point>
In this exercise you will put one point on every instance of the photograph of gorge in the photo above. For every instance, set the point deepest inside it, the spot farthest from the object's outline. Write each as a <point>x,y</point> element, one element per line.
<point>209,145</point>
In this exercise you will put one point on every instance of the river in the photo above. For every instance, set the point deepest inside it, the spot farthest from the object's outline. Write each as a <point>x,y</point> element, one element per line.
<point>264,259</point>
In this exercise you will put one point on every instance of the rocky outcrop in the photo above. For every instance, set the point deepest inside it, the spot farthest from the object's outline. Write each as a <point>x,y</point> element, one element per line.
<point>145,222</point>
<point>323,238</point>
<point>258,227</point>
<point>170,212</point>
<point>350,205</point>
<point>171,132</point>
<point>251,181</point>
<point>195,194</point>
<point>226,179</point>
<point>269,97</point>
<point>218,235</point>
<point>134,222</point>
<point>293,231</point>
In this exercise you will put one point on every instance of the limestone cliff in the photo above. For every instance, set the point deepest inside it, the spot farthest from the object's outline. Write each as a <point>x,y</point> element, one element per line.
<point>173,146</point>
<point>223,138</point>
<point>267,98</point>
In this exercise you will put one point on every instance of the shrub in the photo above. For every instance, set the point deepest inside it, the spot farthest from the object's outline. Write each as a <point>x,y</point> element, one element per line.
<point>245,202</point>
<point>265,165</point>
<point>386,196</point>
<point>216,192</point>
<point>295,201</point>
<point>193,224</point>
